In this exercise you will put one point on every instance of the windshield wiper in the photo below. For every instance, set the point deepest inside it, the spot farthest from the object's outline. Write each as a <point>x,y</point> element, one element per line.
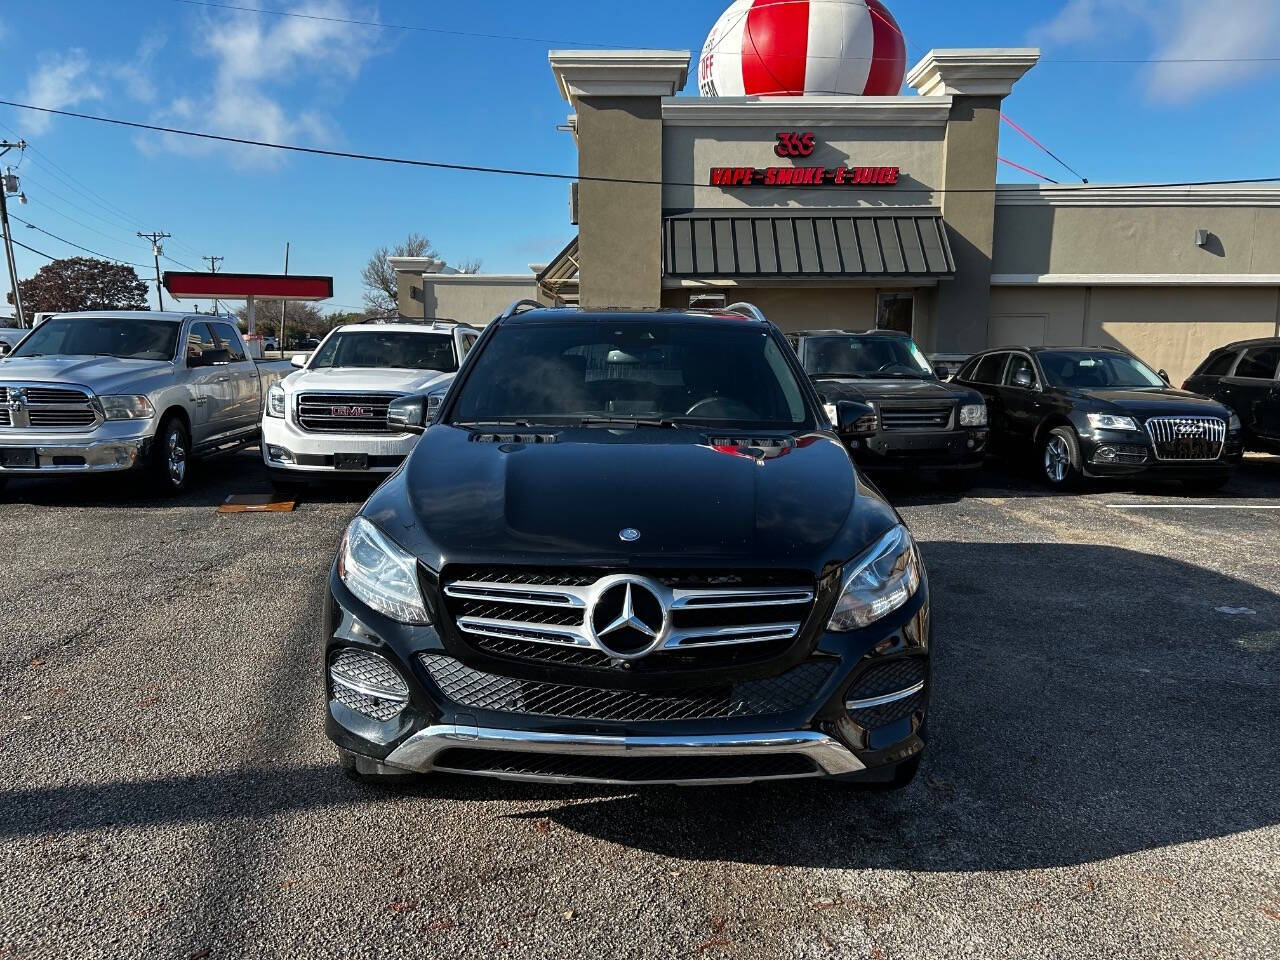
<point>524,424</point>
<point>628,422</point>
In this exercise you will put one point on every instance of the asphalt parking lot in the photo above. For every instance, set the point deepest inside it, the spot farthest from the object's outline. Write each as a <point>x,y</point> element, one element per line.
<point>1101,781</point>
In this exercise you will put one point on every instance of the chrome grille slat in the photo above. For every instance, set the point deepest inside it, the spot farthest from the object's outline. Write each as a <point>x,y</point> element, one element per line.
<point>42,407</point>
<point>315,412</point>
<point>1175,438</point>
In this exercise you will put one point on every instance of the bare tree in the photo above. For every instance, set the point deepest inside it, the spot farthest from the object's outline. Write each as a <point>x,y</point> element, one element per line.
<point>381,293</point>
<point>470,266</point>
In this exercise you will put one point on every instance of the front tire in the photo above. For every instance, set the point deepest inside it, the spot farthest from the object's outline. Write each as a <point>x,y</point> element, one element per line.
<point>1060,461</point>
<point>170,464</point>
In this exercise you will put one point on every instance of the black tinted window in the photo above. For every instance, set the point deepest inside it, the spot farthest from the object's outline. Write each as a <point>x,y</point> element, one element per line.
<point>228,341</point>
<point>1084,370</point>
<point>1260,362</point>
<point>199,342</point>
<point>552,373</point>
<point>129,338</point>
<point>1019,363</point>
<point>1218,365</point>
<point>990,368</point>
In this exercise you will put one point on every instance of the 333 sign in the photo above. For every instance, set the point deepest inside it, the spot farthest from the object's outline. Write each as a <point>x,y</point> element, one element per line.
<point>792,144</point>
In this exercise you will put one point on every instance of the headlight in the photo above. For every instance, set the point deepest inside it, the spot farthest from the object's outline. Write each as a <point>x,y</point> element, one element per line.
<point>275,401</point>
<point>973,415</point>
<point>1234,425</point>
<point>832,414</point>
<point>380,573</point>
<point>878,583</point>
<point>127,408</point>
<point>1105,421</point>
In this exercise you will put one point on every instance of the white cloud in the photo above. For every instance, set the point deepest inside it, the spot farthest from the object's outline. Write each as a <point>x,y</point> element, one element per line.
<point>256,60</point>
<point>58,82</point>
<point>136,75</point>
<point>1227,42</point>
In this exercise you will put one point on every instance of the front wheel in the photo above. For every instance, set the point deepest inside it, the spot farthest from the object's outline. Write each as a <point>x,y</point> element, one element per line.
<point>1060,458</point>
<point>170,457</point>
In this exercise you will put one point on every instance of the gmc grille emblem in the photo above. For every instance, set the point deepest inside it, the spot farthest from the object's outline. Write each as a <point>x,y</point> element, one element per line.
<point>348,411</point>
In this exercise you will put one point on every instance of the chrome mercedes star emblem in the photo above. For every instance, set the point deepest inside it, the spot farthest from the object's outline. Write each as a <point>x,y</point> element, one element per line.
<point>629,535</point>
<point>628,618</point>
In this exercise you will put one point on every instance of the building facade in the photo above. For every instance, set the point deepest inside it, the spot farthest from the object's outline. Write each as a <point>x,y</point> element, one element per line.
<point>863,212</point>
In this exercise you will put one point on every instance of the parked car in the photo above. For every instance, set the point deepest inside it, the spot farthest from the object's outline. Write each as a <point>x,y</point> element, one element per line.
<point>920,422</point>
<point>1245,376</point>
<point>330,417</point>
<point>1100,412</point>
<point>115,391</point>
<point>269,343</point>
<point>630,549</point>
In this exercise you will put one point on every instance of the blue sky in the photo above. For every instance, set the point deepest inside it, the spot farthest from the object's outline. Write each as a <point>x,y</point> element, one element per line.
<point>493,102</point>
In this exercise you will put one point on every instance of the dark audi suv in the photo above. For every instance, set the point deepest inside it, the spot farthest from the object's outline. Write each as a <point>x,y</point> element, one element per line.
<point>920,422</point>
<point>1100,412</point>
<point>1246,377</point>
<point>629,549</point>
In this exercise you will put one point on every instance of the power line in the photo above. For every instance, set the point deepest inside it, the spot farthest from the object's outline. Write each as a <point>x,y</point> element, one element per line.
<point>1018,166</point>
<point>545,174</point>
<point>1005,117</point>
<point>70,243</point>
<point>19,243</point>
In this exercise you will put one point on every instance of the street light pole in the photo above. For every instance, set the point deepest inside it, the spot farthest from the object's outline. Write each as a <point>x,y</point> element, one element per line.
<point>5,147</point>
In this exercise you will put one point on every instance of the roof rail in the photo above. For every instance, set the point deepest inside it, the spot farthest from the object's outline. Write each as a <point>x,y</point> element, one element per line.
<point>747,310</point>
<point>520,306</point>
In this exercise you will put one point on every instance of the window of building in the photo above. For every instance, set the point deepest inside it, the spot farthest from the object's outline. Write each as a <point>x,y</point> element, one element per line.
<point>896,311</point>
<point>989,368</point>
<point>1259,363</point>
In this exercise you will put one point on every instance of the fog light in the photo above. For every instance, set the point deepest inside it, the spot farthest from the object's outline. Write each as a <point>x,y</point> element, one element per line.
<point>1106,454</point>
<point>280,454</point>
<point>972,443</point>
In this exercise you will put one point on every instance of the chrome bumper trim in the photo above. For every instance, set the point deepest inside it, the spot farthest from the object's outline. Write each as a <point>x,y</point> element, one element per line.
<point>102,456</point>
<point>880,701</point>
<point>419,752</point>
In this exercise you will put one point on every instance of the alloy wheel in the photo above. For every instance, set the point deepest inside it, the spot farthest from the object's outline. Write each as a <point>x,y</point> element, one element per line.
<point>177,459</point>
<point>1057,459</point>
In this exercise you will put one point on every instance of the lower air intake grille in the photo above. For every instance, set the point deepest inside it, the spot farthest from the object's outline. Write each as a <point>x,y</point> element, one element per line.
<point>885,681</point>
<point>624,769</point>
<point>754,698</point>
<point>367,684</point>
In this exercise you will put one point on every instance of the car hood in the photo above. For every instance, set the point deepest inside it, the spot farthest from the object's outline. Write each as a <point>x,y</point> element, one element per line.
<point>833,389</point>
<point>1154,402</point>
<point>102,375</point>
<point>360,380</point>
<point>459,500</point>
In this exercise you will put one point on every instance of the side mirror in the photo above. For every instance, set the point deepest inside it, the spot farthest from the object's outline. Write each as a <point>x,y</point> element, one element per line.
<point>409,414</point>
<point>1164,375</point>
<point>6,348</point>
<point>856,419</point>
<point>299,360</point>
<point>1024,379</point>
<point>942,371</point>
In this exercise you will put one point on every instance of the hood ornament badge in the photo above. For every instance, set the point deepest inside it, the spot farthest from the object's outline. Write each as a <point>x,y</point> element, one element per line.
<point>629,535</point>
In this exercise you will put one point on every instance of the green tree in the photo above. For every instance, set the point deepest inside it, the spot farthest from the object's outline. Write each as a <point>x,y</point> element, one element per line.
<point>82,283</point>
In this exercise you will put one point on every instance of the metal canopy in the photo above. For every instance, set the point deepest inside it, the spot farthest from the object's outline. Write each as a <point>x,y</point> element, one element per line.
<point>847,243</point>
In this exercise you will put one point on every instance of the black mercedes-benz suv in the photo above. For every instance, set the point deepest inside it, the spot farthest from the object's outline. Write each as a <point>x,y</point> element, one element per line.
<point>1100,412</point>
<point>629,549</point>
<point>920,422</point>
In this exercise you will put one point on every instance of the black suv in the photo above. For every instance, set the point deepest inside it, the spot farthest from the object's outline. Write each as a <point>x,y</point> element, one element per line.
<point>629,549</point>
<point>919,422</point>
<point>1100,412</point>
<point>1246,377</point>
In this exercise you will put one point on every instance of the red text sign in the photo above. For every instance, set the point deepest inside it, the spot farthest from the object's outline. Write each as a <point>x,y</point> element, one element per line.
<point>795,144</point>
<point>804,176</point>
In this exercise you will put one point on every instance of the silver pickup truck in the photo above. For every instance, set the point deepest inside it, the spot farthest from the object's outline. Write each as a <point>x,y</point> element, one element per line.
<point>115,391</point>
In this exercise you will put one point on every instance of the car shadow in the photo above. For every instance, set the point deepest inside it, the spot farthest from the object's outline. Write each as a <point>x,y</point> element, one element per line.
<point>1088,702</point>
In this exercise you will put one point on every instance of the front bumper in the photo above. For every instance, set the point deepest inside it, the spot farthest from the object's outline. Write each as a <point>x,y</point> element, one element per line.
<point>963,449</point>
<point>290,449</point>
<point>1125,453</point>
<point>116,446</point>
<point>814,737</point>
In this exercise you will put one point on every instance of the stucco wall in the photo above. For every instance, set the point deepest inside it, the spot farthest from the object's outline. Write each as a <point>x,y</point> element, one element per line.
<point>474,300</point>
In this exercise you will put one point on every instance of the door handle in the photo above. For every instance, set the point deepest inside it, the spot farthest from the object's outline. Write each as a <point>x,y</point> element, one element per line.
<point>223,379</point>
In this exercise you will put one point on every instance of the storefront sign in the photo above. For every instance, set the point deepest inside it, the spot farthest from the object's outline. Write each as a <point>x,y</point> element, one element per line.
<point>796,144</point>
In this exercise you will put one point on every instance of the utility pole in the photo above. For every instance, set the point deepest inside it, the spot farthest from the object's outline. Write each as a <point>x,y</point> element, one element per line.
<point>284,304</point>
<point>10,185</point>
<point>213,268</point>
<point>156,250</point>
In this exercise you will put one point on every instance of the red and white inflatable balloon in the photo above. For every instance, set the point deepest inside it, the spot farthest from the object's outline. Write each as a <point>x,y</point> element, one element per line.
<point>794,47</point>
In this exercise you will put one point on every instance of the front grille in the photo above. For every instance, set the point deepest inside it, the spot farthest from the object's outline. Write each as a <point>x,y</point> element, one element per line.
<point>368,684</point>
<point>906,418</point>
<point>885,680</point>
<point>1187,438</point>
<point>629,770</point>
<point>47,408</point>
<point>538,614</point>
<point>753,698</point>
<point>345,412</point>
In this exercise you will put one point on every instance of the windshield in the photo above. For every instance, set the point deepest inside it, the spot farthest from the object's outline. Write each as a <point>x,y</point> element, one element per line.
<point>1085,370</point>
<point>399,350</point>
<point>633,371</point>
<point>865,357</point>
<point>129,338</point>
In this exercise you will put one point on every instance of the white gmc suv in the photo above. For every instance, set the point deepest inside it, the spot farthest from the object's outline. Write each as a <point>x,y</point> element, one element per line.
<point>330,417</point>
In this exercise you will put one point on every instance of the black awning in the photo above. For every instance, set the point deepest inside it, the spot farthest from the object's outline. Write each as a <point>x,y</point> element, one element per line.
<point>842,244</point>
